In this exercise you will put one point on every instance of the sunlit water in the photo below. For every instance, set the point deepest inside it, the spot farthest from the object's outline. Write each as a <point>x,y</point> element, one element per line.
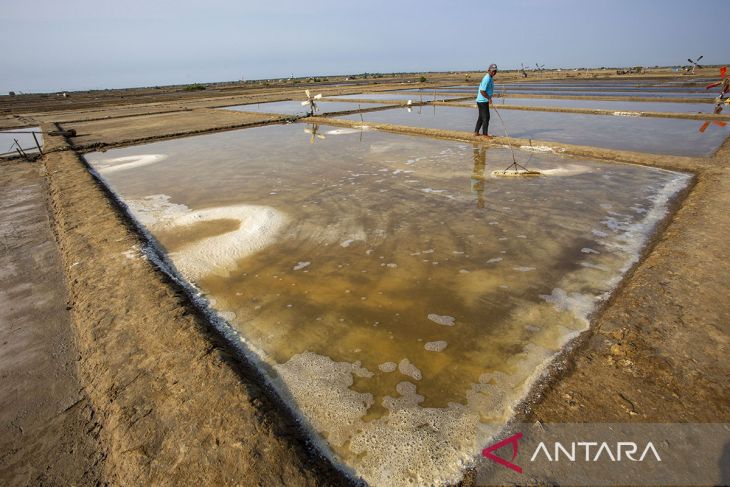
<point>296,108</point>
<point>414,97</point>
<point>608,92</point>
<point>402,298</point>
<point>654,135</point>
<point>26,141</point>
<point>613,94</point>
<point>623,106</point>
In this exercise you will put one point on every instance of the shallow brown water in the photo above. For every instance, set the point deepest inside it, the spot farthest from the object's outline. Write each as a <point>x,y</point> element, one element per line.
<point>404,299</point>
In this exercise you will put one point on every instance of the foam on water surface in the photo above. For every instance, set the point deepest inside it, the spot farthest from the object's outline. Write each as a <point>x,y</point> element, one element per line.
<point>402,300</point>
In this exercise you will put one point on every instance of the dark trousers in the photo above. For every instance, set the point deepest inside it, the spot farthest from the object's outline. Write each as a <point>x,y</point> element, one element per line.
<point>483,120</point>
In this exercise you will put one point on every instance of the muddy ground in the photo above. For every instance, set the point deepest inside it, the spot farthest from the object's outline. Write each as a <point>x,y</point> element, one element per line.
<point>111,376</point>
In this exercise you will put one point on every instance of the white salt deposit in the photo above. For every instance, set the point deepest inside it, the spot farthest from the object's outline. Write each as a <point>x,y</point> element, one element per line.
<point>536,148</point>
<point>627,114</point>
<point>301,265</point>
<point>590,265</point>
<point>107,166</point>
<point>346,131</point>
<point>133,253</point>
<point>580,305</point>
<point>259,226</point>
<point>567,170</point>
<point>442,320</point>
<point>405,367</point>
<point>388,367</point>
<point>436,346</point>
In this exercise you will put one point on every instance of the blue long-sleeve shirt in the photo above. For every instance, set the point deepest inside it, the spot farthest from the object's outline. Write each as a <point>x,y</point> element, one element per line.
<point>487,86</point>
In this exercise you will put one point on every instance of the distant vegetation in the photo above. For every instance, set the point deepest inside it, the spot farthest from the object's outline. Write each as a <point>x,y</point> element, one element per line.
<point>422,79</point>
<point>194,87</point>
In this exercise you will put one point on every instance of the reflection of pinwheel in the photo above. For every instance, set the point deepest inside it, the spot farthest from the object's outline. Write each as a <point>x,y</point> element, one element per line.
<point>724,82</point>
<point>408,105</point>
<point>524,73</point>
<point>719,123</point>
<point>311,102</point>
<point>312,130</point>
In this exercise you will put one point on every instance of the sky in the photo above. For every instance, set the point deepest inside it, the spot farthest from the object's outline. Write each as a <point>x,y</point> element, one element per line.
<point>51,45</point>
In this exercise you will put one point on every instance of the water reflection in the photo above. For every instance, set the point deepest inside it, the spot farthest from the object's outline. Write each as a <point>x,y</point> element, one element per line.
<point>642,134</point>
<point>313,130</point>
<point>719,104</point>
<point>477,176</point>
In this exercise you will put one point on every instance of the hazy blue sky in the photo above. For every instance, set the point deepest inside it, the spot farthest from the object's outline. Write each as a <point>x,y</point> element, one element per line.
<point>52,45</point>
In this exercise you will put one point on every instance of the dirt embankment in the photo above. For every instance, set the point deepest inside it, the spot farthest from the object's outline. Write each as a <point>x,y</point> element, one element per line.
<point>49,433</point>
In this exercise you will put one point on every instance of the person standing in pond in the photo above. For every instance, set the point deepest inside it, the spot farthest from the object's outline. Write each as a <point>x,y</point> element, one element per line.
<point>484,98</point>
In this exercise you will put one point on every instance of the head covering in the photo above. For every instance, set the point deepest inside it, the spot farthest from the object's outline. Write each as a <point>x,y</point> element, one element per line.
<point>492,67</point>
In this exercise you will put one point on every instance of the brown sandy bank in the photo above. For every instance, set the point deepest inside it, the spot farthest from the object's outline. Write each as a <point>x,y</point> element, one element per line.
<point>48,428</point>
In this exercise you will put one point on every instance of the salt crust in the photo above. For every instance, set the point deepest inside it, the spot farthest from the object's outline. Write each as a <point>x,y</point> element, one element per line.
<point>259,226</point>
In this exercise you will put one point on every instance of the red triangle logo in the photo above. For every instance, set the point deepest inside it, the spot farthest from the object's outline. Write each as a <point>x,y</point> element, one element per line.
<point>512,440</point>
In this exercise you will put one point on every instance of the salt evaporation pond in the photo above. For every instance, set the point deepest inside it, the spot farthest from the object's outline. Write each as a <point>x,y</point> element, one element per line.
<point>401,298</point>
<point>295,108</point>
<point>589,93</point>
<point>642,134</point>
<point>584,86</point>
<point>24,138</point>
<point>415,97</point>
<point>612,94</point>
<point>623,106</point>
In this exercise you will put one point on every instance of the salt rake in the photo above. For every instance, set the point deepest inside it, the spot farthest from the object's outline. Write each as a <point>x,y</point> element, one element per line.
<point>514,169</point>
